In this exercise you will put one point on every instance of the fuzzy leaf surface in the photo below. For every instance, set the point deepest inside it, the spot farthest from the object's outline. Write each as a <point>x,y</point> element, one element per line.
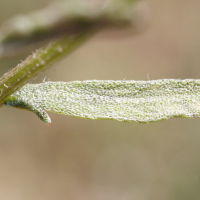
<point>127,101</point>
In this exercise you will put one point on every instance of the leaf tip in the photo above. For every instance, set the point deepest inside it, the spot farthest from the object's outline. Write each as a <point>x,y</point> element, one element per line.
<point>50,124</point>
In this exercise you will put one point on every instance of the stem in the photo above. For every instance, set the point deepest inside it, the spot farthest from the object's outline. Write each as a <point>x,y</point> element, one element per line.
<point>40,61</point>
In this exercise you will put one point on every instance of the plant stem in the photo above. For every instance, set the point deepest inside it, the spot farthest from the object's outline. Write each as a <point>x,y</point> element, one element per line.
<point>40,61</point>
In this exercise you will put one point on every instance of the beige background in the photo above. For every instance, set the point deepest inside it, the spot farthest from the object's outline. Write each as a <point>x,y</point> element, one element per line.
<point>109,160</point>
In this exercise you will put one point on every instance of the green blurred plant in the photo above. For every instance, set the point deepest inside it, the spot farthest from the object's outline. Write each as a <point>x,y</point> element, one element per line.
<point>73,23</point>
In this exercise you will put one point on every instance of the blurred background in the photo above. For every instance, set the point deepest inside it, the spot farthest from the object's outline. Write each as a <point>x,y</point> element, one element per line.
<point>109,160</point>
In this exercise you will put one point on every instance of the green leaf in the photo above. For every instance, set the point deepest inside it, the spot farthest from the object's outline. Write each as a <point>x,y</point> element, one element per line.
<point>66,17</point>
<point>127,101</point>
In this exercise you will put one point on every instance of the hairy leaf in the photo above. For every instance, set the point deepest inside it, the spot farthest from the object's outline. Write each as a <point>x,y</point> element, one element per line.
<point>127,101</point>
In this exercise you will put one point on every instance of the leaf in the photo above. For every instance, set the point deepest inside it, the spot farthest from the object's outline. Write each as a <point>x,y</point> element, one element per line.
<point>127,101</point>
<point>66,17</point>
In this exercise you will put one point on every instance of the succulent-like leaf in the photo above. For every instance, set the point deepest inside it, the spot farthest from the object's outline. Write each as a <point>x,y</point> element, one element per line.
<point>127,101</point>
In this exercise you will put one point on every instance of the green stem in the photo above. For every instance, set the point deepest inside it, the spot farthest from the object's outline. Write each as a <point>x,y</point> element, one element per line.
<point>40,61</point>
